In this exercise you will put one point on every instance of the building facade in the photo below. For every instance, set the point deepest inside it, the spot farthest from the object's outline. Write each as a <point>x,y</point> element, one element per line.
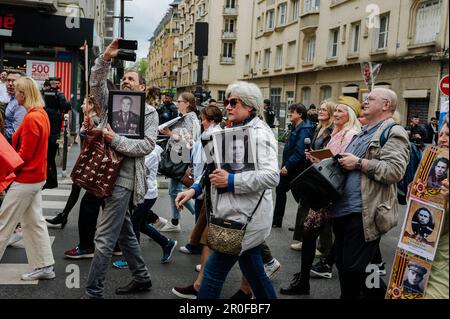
<point>320,55</point>
<point>310,50</point>
<point>162,69</point>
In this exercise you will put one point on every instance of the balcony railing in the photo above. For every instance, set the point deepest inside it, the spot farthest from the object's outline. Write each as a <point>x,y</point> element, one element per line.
<point>227,59</point>
<point>230,11</point>
<point>229,34</point>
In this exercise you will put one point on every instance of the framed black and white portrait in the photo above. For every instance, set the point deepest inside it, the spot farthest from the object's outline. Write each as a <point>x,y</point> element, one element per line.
<point>126,112</point>
<point>235,149</point>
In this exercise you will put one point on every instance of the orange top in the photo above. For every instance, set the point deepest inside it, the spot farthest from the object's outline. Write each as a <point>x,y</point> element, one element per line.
<point>31,143</point>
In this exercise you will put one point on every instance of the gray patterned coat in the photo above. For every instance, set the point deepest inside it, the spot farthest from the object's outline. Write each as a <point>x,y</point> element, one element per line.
<point>137,149</point>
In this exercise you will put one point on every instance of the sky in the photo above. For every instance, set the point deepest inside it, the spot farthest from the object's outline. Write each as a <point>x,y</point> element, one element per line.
<point>146,16</point>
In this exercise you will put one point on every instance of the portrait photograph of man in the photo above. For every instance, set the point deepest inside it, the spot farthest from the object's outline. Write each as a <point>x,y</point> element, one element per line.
<point>421,229</point>
<point>126,113</point>
<point>438,172</point>
<point>414,279</point>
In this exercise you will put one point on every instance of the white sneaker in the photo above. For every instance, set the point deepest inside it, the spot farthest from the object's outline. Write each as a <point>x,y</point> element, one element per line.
<point>160,223</point>
<point>40,273</point>
<point>198,267</point>
<point>15,237</point>
<point>297,246</point>
<point>272,267</point>
<point>169,227</point>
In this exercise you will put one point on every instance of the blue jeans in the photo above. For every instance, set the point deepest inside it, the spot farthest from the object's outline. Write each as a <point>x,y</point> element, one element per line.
<point>219,265</point>
<point>115,224</point>
<point>140,223</point>
<point>176,187</point>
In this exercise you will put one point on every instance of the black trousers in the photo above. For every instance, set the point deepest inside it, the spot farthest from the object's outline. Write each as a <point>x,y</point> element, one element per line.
<point>280,203</point>
<point>87,220</point>
<point>52,173</point>
<point>353,254</point>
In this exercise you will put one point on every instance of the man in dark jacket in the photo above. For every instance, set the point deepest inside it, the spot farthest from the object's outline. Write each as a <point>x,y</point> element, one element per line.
<point>294,159</point>
<point>417,133</point>
<point>432,131</point>
<point>56,105</point>
<point>168,110</point>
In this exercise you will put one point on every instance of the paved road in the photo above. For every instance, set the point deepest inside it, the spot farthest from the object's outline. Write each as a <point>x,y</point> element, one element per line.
<point>179,272</point>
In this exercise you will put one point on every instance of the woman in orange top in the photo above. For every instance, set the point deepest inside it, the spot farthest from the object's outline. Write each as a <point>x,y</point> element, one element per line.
<point>23,200</point>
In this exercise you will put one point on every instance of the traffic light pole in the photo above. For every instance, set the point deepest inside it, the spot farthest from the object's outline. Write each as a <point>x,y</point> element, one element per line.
<point>199,89</point>
<point>122,35</point>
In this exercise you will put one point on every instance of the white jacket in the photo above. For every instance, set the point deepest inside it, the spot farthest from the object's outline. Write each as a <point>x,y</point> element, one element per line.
<point>151,163</point>
<point>248,188</point>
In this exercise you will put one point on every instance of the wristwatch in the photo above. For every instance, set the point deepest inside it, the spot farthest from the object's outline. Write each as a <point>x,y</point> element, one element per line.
<point>358,164</point>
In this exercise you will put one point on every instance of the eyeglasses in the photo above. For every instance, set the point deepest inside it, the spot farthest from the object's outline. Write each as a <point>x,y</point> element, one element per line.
<point>232,102</point>
<point>368,99</point>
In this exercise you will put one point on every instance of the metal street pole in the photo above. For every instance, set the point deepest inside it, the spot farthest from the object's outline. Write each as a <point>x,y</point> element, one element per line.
<point>122,35</point>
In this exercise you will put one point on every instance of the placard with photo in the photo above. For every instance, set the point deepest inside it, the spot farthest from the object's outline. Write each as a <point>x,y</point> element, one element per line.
<point>235,149</point>
<point>433,169</point>
<point>126,111</point>
<point>409,276</point>
<point>421,229</point>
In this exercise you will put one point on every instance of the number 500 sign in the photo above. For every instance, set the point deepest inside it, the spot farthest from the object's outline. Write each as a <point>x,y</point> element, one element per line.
<point>40,70</point>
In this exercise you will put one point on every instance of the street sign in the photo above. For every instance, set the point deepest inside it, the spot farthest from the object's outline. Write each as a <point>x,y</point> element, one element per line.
<point>443,85</point>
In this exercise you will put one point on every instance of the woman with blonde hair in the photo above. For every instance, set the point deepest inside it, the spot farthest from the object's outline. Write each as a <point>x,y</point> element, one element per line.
<point>23,200</point>
<point>346,125</point>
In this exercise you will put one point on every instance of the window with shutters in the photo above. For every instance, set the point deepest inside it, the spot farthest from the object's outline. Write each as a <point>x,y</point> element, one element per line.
<point>266,59</point>
<point>325,92</point>
<point>428,21</point>
<point>279,57</point>
<point>270,19</point>
<point>381,34</point>
<point>310,50</point>
<point>333,43</point>
<point>282,14</point>
<point>356,31</point>
<point>295,10</point>
<point>306,95</point>
<point>291,54</point>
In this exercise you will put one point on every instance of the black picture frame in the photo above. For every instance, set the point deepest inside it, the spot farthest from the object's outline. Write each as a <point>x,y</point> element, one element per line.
<point>132,124</point>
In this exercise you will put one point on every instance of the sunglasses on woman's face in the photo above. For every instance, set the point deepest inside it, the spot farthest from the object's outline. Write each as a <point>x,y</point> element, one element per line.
<point>233,102</point>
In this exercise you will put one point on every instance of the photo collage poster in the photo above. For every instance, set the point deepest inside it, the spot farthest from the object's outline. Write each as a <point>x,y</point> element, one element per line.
<point>422,226</point>
<point>235,149</point>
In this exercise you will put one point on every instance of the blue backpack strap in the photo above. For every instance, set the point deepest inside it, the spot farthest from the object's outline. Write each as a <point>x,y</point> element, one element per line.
<point>385,134</point>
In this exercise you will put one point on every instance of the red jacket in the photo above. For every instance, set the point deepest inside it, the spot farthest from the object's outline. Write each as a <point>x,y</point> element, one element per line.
<point>31,143</point>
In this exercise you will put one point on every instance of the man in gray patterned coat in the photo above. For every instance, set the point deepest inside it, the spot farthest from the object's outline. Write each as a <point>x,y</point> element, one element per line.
<point>114,223</point>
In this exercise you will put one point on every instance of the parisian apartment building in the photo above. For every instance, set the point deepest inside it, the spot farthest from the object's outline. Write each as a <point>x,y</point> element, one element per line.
<point>308,50</point>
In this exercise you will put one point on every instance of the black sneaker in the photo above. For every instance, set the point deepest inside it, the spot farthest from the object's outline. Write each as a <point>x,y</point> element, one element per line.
<point>322,270</point>
<point>188,292</point>
<point>241,295</point>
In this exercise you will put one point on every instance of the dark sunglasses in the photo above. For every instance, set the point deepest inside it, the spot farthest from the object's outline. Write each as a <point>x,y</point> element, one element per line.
<point>232,102</point>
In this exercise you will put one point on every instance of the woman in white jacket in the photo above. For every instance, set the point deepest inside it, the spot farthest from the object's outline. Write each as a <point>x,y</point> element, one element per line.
<point>239,195</point>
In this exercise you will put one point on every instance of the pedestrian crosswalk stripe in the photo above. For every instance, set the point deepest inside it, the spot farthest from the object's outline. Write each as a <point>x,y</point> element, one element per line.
<point>10,274</point>
<point>56,192</point>
<point>53,204</point>
<point>20,244</point>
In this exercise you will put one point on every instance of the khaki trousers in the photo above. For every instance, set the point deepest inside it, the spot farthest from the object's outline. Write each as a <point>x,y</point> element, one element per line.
<point>23,203</point>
